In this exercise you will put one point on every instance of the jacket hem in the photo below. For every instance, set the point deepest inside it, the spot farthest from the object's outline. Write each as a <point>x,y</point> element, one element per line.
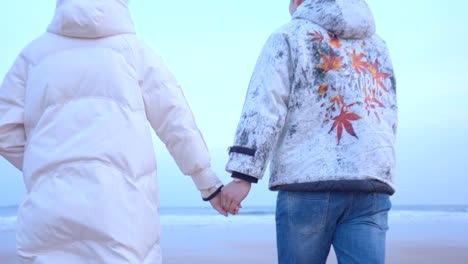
<point>369,186</point>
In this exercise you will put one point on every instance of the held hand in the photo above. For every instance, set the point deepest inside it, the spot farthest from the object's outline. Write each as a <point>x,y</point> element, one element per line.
<point>233,194</point>
<point>216,204</point>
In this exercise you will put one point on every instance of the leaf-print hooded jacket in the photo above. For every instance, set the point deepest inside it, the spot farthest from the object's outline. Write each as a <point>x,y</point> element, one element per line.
<point>321,104</point>
<point>74,114</point>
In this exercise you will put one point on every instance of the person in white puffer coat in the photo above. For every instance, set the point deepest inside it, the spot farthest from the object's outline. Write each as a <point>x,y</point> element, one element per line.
<point>74,114</point>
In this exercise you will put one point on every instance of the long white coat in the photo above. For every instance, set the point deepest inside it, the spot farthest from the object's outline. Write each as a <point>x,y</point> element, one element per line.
<point>74,112</point>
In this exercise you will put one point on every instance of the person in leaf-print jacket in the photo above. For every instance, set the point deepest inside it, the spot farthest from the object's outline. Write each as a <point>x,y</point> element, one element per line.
<point>322,106</point>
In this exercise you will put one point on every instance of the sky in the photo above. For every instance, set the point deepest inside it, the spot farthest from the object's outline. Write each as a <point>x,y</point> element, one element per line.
<point>211,47</point>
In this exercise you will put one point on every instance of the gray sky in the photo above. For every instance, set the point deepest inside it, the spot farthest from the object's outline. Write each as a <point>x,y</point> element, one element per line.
<point>211,47</point>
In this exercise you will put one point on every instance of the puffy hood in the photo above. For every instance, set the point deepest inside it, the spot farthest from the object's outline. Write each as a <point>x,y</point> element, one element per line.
<point>349,19</point>
<point>91,18</point>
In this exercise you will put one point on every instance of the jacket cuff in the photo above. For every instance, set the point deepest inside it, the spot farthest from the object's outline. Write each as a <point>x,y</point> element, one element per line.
<point>208,197</point>
<point>244,177</point>
<point>246,161</point>
<point>210,193</point>
<point>206,179</point>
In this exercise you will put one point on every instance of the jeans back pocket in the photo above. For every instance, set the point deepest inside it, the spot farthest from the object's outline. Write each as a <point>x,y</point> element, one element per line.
<point>307,211</point>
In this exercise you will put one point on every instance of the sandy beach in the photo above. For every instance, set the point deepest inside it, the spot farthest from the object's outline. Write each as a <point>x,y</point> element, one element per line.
<point>7,247</point>
<point>435,241</point>
<point>255,244</point>
<point>399,252</point>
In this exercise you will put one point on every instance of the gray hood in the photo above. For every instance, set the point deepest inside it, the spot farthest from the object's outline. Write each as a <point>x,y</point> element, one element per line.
<point>91,18</point>
<point>349,19</point>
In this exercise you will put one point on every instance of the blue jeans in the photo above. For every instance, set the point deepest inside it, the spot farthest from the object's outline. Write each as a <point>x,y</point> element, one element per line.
<point>308,223</point>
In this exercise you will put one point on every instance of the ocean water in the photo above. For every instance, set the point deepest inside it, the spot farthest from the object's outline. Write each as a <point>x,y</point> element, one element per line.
<point>8,217</point>
<point>207,217</point>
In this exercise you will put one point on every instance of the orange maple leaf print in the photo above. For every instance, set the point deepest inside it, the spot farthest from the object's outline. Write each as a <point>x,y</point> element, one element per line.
<point>359,65</point>
<point>338,99</point>
<point>371,102</point>
<point>379,77</point>
<point>331,62</point>
<point>316,36</point>
<point>344,121</point>
<point>334,41</point>
<point>323,88</point>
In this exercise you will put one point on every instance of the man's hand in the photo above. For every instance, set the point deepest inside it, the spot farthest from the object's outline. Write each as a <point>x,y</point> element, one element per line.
<point>233,194</point>
<point>216,204</point>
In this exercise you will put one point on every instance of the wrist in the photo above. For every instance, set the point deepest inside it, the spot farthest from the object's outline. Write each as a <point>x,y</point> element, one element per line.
<point>237,180</point>
<point>245,177</point>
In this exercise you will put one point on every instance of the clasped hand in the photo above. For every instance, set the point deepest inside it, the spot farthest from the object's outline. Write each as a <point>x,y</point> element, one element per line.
<point>230,198</point>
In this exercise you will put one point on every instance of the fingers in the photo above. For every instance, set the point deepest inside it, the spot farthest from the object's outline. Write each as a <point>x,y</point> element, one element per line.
<point>233,208</point>
<point>232,196</point>
<point>225,201</point>
<point>216,204</point>
<point>221,210</point>
<point>237,210</point>
<point>229,203</point>
<point>239,206</point>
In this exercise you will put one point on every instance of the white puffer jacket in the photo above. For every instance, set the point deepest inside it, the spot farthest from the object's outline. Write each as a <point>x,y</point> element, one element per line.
<point>74,112</point>
<point>321,102</point>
